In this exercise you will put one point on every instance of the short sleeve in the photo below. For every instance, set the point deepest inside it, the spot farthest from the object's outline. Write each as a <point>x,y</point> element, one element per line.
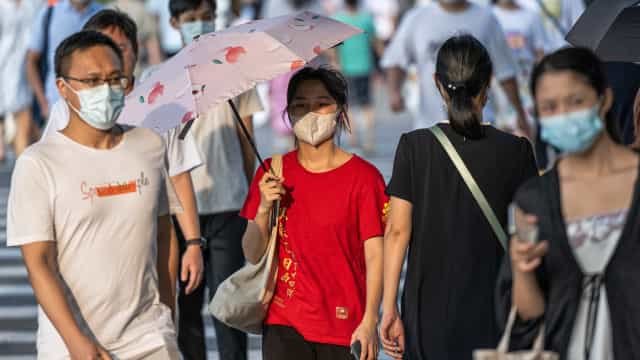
<point>252,202</point>
<point>182,155</point>
<point>401,183</point>
<point>36,42</point>
<point>373,205</point>
<point>30,206</point>
<point>538,33</point>
<point>169,202</point>
<point>529,166</point>
<point>248,103</point>
<point>400,51</point>
<point>501,55</point>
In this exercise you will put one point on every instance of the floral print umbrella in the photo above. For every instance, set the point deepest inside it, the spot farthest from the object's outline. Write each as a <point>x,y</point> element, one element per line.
<point>218,66</point>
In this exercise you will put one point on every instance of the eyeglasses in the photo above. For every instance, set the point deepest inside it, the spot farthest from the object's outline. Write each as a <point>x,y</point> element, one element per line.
<point>118,81</point>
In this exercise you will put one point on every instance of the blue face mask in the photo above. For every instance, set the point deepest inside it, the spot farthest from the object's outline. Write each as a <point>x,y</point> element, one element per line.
<point>190,30</point>
<point>572,132</point>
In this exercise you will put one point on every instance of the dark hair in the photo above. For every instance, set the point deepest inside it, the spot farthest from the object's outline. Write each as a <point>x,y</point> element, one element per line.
<point>79,41</point>
<point>108,18</point>
<point>352,3</point>
<point>464,69</point>
<point>179,7</point>
<point>585,63</point>
<point>298,4</point>
<point>333,81</point>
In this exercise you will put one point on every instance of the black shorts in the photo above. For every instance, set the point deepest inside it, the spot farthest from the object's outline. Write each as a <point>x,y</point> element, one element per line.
<point>285,343</point>
<point>359,90</point>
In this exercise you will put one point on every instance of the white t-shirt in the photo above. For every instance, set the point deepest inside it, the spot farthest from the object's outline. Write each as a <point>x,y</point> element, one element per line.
<point>182,155</point>
<point>220,183</point>
<point>567,12</point>
<point>170,38</point>
<point>419,37</point>
<point>525,36</point>
<point>101,208</point>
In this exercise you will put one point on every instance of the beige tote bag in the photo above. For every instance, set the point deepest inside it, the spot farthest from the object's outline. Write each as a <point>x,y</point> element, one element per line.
<point>502,352</point>
<point>242,300</point>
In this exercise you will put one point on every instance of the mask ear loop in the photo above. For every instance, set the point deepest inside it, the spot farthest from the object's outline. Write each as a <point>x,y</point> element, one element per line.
<point>66,83</point>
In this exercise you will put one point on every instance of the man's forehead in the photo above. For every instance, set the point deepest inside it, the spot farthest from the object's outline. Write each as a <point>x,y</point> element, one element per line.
<point>95,58</point>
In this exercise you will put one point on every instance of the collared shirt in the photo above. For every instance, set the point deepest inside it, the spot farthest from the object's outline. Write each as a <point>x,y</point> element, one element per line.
<point>65,21</point>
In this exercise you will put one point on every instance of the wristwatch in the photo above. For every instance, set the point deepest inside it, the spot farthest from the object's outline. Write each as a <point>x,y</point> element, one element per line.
<point>201,242</point>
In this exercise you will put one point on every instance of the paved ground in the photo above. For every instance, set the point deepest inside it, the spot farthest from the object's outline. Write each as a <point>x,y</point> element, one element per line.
<point>18,306</point>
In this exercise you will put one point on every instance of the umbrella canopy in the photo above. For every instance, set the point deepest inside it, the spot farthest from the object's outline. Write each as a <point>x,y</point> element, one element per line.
<point>218,66</point>
<point>611,28</point>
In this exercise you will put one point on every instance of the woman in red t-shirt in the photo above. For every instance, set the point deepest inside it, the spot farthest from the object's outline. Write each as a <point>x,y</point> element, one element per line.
<point>330,240</point>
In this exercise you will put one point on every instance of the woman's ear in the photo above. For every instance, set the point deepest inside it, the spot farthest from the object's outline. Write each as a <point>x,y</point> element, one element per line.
<point>440,88</point>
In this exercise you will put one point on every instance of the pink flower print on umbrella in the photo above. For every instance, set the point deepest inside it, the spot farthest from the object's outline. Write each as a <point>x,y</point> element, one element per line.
<point>156,91</point>
<point>187,117</point>
<point>297,64</point>
<point>233,53</point>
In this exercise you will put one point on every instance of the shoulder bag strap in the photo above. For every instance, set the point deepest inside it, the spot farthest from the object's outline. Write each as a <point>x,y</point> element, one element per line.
<point>472,185</point>
<point>554,20</point>
<point>276,169</point>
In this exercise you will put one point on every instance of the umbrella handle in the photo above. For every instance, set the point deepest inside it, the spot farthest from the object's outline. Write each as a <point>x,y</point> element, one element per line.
<point>245,131</point>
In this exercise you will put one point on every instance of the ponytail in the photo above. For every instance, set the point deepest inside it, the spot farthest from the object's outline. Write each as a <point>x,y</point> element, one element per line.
<point>464,70</point>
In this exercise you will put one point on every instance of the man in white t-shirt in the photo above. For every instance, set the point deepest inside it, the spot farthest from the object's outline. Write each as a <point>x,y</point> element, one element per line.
<point>89,207</point>
<point>182,155</point>
<point>221,186</point>
<point>422,31</point>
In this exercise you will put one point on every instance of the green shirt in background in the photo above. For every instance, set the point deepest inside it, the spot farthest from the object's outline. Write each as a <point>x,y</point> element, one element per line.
<point>356,54</point>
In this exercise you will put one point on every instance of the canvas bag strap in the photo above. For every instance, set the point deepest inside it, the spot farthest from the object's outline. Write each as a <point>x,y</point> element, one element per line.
<point>471,184</point>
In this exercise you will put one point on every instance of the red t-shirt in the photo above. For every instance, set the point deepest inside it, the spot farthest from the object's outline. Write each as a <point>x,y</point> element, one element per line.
<point>321,288</point>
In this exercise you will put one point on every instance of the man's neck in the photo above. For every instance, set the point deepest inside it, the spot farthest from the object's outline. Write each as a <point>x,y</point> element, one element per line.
<point>84,134</point>
<point>455,7</point>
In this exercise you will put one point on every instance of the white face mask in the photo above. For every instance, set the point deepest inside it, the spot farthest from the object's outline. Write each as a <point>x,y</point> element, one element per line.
<point>190,30</point>
<point>314,128</point>
<point>99,106</point>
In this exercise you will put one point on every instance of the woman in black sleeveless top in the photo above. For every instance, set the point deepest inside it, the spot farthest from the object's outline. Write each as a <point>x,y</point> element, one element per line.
<point>454,256</point>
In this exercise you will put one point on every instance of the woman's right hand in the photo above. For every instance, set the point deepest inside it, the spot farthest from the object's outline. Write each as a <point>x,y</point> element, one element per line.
<point>271,190</point>
<point>392,334</point>
<point>527,256</point>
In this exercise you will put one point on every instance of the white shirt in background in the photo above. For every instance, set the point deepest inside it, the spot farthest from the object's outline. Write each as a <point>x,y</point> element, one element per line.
<point>170,39</point>
<point>566,12</point>
<point>384,12</point>
<point>101,209</point>
<point>526,37</point>
<point>220,183</point>
<point>419,37</point>
<point>182,155</point>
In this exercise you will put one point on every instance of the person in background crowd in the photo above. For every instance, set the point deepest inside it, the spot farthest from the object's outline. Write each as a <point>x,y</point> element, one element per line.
<point>580,277</point>
<point>330,244</point>
<point>526,37</point>
<point>422,31</point>
<point>150,50</point>
<point>182,155</point>
<point>454,258</point>
<point>221,185</point>
<point>558,18</point>
<point>356,59</point>
<point>53,24</point>
<point>16,18</point>
<point>169,37</point>
<point>100,257</point>
<point>385,15</point>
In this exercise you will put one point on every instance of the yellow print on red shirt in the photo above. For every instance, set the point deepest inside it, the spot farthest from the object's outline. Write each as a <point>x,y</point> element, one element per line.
<point>288,263</point>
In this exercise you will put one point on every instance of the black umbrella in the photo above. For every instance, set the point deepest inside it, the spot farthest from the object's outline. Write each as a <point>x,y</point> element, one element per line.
<point>611,28</point>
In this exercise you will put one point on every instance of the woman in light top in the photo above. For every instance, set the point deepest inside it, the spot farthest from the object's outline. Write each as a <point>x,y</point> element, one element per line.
<point>582,278</point>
